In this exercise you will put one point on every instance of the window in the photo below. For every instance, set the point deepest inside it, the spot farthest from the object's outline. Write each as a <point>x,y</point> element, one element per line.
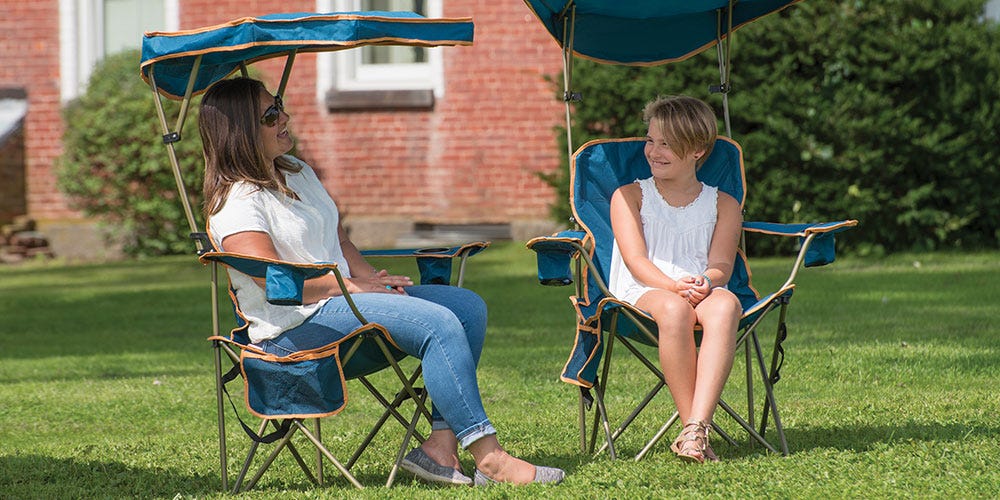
<point>90,30</point>
<point>992,10</point>
<point>383,75</point>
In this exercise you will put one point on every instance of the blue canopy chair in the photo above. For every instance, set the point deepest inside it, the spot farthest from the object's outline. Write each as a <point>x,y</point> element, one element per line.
<point>645,33</point>
<point>285,391</point>
<point>598,168</point>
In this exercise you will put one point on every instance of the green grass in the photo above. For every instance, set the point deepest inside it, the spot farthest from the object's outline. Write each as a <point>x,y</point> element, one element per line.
<point>888,388</point>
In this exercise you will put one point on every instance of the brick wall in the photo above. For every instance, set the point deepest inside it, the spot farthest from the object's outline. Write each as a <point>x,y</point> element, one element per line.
<point>29,59</point>
<point>473,159</point>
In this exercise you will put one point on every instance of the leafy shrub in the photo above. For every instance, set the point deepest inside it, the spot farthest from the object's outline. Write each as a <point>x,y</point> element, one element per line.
<point>879,111</point>
<point>115,167</point>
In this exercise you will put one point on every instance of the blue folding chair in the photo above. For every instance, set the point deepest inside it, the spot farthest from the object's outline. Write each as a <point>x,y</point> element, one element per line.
<point>284,391</point>
<point>583,256</point>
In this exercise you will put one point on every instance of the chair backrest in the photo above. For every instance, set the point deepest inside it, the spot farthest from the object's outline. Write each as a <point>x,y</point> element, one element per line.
<point>600,167</point>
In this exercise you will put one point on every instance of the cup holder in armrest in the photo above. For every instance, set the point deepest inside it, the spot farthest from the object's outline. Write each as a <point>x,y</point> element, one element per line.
<point>431,250</point>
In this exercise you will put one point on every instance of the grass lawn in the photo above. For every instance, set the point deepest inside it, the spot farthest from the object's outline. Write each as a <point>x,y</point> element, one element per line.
<point>889,388</point>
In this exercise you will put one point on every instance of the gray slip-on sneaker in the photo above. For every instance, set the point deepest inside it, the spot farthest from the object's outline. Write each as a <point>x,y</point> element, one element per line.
<point>543,475</point>
<point>424,467</point>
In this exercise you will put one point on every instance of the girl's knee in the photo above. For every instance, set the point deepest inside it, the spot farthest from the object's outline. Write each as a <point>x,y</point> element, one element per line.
<point>727,299</point>
<point>720,307</point>
<point>673,311</point>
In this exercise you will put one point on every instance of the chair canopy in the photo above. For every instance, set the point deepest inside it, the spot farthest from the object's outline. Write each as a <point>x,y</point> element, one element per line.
<point>647,32</point>
<point>171,57</point>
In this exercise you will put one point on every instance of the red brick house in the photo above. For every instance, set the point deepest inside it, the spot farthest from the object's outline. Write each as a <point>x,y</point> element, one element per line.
<point>459,145</point>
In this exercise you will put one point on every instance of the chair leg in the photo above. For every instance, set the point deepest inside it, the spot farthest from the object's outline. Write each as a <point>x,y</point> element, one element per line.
<point>753,355</point>
<point>602,418</point>
<point>220,409</point>
<point>655,370</point>
<point>746,426</point>
<point>776,354</point>
<point>319,455</point>
<point>635,413</point>
<point>267,462</point>
<point>329,456</point>
<point>299,460</point>
<point>391,409</point>
<point>602,412</point>
<point>284,442</point>
<point>771,403</point>
<point>582,420</point>
<point>748,365</point>
<point>659,435</point>
<point>410,430</point>
<point>249,460</point>
<point>721,432</point>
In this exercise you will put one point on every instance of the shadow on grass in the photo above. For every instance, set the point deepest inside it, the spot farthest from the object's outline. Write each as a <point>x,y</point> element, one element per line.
<point>861,439</point>
<point>803,440</point>
<point>855,439</point>
<point>36,476</point>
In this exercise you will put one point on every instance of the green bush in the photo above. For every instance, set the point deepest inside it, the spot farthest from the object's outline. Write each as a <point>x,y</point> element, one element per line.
<point>115,167</point>
<point>879,111</point>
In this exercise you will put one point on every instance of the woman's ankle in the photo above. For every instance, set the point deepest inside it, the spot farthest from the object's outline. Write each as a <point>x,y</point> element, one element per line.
<point>503,467</point>
<point>442,447</point>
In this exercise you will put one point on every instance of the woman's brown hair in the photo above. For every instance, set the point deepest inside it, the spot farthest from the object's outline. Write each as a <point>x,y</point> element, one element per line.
<point>229,123</point>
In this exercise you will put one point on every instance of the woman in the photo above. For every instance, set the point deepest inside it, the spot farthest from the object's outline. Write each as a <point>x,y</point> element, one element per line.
<point>675,244</point>
<point>262,202</point>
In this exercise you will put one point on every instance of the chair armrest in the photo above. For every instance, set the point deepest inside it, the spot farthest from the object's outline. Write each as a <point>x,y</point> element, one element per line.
<point>554,254</point>
<point>817,239</point>
<point>434,263</point>
<point>283,280</point>
<point>800,230</point>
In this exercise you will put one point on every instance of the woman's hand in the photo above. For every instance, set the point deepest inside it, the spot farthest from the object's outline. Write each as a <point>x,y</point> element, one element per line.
<point>379,282</point>
<point>694,289</point>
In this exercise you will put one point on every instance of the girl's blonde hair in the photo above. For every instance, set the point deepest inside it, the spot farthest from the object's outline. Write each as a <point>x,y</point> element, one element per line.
<point>688,124</point>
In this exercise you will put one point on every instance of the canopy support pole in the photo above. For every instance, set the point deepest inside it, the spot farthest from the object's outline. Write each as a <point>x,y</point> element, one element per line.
<point>724,57</point>
<point>170,137</point>
<point>569,25</point>
<point>286,73</point>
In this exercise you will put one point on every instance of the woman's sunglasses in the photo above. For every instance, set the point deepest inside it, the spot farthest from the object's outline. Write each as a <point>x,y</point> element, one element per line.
<point>272,113</point>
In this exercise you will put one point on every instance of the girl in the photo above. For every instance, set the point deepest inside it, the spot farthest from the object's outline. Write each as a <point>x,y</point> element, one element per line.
<point>675,244</point>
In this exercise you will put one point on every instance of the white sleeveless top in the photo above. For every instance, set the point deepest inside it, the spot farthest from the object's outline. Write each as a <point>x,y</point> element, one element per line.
<point>677,239</point>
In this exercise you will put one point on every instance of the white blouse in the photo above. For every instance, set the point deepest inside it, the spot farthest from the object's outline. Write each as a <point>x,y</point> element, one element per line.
<point>303,230</point>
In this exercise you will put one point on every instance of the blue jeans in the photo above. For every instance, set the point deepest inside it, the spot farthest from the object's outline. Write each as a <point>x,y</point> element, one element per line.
<point>443,326</point>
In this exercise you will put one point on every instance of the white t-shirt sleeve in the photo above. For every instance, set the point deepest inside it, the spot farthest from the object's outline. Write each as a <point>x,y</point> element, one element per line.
<point>243,211</point>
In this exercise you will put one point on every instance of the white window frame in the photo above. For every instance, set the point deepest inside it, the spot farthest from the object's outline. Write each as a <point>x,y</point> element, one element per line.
<point>343,71</point>
<point>81,41</point>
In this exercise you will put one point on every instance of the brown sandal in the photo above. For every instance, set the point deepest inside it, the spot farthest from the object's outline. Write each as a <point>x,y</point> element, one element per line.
<point>692,444</point>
